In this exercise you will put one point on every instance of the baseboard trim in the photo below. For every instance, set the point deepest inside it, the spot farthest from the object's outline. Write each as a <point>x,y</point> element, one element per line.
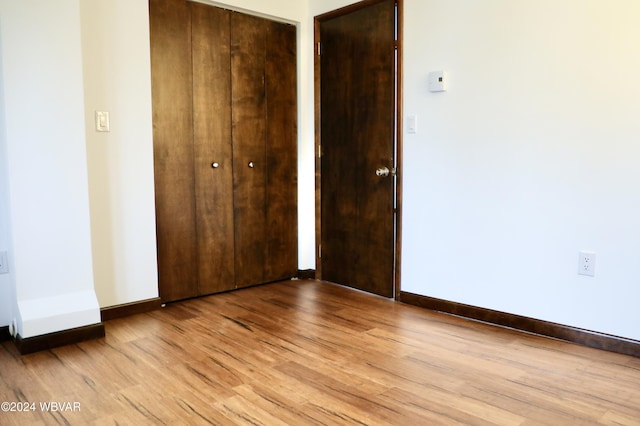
<point>583,337</point>
<point>128,309</point>
<point>4,334</point>
<point>306,274</point>
<point>59,338</point>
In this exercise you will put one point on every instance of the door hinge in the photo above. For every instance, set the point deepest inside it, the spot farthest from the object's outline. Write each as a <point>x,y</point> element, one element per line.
<point>319,151</point>
<point>318,49</point>
<point>320,250</point>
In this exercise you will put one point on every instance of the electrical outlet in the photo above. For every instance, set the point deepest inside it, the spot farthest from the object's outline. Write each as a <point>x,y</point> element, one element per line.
<point>587,263</point>
<point>4,267</point>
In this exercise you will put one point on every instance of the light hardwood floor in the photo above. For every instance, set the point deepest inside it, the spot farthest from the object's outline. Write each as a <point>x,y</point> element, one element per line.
<point>305,352</point>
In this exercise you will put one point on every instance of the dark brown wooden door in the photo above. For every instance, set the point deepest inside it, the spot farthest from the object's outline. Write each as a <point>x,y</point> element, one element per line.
<point>225,143</point>
<point>357,128</point>
<point>211,65</point>
<point>263,74</point>
<point>171,81</point>
<point>281,253</point>
<point>249,146</point>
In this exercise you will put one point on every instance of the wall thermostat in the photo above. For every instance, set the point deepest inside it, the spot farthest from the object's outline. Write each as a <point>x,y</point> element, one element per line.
<point>437,81</point>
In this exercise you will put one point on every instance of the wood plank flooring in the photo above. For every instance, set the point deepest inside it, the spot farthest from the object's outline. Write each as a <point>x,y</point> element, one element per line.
<point>305,352</point>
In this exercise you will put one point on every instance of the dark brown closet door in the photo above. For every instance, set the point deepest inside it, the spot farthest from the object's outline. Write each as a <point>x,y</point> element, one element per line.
<point>213,147</point>
<point>173,148</point>
<point>282,161</point>
<point>264,148</point>
<point>249,146</point>
<point>225,140</point>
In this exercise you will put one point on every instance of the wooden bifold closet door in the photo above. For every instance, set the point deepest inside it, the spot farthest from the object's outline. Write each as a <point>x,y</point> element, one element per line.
<point>225,143</point>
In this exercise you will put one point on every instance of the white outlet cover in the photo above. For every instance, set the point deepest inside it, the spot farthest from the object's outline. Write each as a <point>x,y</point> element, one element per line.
<point>587,263</point>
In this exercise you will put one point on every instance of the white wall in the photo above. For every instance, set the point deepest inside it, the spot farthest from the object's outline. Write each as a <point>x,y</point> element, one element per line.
<point>318,7</point>
<point>7,284</point>
<point>116,66</point>
<point>46,166</point>
<point>530,156</point>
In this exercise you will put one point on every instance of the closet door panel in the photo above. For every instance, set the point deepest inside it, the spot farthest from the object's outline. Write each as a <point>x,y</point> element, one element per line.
<point>282,186</point>
<point>249,155</point>
<point>173,148</point>
<point>212,147</point>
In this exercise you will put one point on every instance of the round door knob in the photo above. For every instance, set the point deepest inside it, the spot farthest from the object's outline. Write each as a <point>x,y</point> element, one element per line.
<point>251,165</point>
<point>383,171</point>
<point>215,165</point>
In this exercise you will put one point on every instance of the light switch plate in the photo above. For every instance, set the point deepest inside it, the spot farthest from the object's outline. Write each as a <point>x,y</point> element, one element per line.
<point>102,121</point>
<point>412,124</point>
